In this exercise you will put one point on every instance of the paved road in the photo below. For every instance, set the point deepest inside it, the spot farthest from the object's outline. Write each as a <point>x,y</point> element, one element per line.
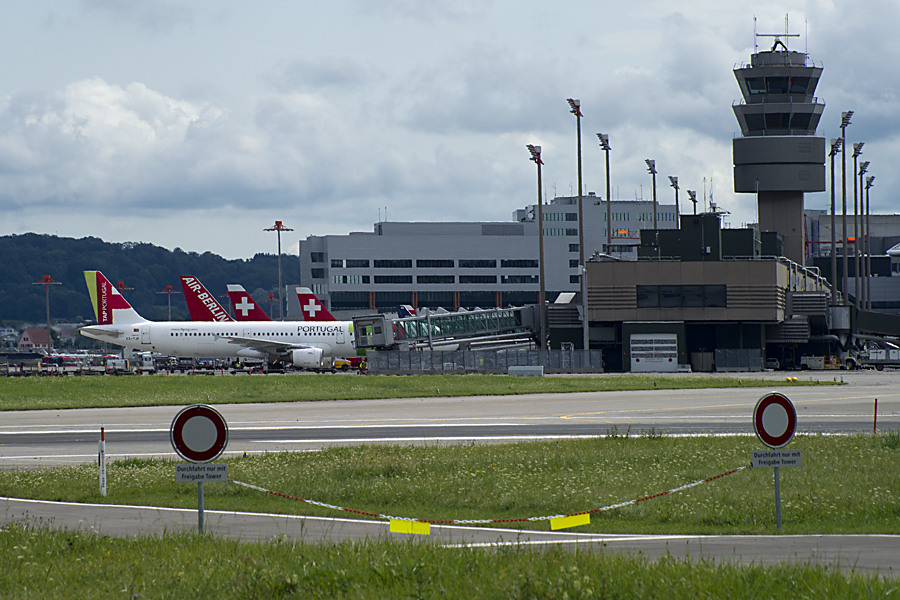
<point>868,553</point>
<point>32,438</point>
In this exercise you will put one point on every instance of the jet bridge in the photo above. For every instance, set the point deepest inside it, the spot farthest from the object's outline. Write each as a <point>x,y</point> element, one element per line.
<point>496,328</point>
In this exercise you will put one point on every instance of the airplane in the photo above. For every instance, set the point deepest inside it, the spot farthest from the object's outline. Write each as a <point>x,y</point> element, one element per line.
<point>295,342</point>
<point>202,306</point>
<point>245,308</point>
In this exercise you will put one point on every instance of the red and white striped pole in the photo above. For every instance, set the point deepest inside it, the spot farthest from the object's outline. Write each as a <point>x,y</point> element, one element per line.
<point>102,462</point>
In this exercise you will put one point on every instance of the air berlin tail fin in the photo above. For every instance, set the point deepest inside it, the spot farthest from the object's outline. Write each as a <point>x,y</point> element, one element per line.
<point>110,307</point>
<point>313,309</point>
<point>202,305</point>
<point>245,308</point>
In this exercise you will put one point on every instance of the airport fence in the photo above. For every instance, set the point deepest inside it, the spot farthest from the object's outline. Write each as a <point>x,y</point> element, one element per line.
<point>408,362</point>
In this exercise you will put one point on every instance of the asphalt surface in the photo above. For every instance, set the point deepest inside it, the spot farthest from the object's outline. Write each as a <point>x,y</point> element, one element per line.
<point>47,438</point>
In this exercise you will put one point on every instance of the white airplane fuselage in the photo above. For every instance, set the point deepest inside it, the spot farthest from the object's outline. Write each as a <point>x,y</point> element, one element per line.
<point>228,339</point>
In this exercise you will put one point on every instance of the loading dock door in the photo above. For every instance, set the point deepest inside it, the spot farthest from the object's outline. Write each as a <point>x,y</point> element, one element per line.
<point>653,352</point>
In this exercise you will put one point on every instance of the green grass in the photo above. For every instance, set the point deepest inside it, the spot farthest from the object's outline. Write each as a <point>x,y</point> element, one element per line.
<point>31,393</point>
<point>53,565</point>
<point>846,484</point>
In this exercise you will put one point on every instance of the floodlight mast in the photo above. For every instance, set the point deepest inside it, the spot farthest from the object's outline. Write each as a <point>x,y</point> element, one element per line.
<point>673,181</point>
<point>651,168</point>
<point>857,150</point>
<point>47,281</point>
<point>835,148</point>
<point>279,227</point>
<point>536,157</point>
<point>845,120</point>
<point>604,144</point>
<point>169,290</point>
<point>860,245</point>
<point>870,181</point>
<point>575,106</point>
<point>692,195</point>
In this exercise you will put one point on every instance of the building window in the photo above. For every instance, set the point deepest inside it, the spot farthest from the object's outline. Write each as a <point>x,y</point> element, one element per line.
<point>362,263</point>
<point>393,278</point>
<point>319,289</point>
<point>317,257</point>
<point>522,263</point>
<point>571,216</point>
<point>350,279</point>
<point>574,278</point>
<point>435,279</point>
<point>573,247</point>
<point>551,216</point>
<point>573,263</point>
<point>519,279</point>
<point>681,296</point>
<point>477,263</point>
<point>434,264</point>
<point>317,273</point>
<point>399,263</point>
<point>337,263</point>
<point>478,279</point>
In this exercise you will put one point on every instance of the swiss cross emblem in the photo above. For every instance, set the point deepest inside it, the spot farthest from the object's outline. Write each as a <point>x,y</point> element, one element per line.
<point>244,306</point>
<point>312,308</point>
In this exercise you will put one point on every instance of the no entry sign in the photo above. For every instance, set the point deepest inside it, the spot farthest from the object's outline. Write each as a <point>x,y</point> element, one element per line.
<point>774,420</point>
<point>199,433</point>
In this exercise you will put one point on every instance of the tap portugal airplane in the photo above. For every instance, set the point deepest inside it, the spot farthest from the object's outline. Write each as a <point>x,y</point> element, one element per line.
<point>300,343</point>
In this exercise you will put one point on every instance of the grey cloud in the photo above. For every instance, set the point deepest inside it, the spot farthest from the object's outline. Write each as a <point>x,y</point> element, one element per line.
<point>308,75</point>
<point>486,89</point>
<point>426,12</point>
<point>155,16</point>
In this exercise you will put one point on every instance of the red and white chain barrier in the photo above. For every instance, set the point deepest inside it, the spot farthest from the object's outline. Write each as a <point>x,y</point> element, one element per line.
<point>488,521</point>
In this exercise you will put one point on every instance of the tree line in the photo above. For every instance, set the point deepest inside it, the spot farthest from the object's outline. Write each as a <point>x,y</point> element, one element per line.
<point>25,259</point>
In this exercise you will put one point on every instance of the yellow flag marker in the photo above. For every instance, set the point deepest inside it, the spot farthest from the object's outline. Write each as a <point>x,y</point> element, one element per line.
<point>573,521</point>
<point>413,527</point>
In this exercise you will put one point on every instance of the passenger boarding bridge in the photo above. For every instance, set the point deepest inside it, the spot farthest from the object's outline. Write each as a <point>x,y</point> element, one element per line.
<point>481,329</point>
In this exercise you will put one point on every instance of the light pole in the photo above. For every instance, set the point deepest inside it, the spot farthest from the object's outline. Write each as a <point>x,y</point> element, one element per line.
<point>604,144</point>
<point>692,195</point>
<point>120,285</point>
<point>47,281</point>
<point>536,157</point>
<point>845,120</point>
<point>279,227</point>
<point>271,301</point>
<point>870,181</point>
<point>651,168</point>
<point>860,244</point>
<point>857,150</point>
<point>673,181</point>
<point>169,291</point>
<point>835,148</point>
<point>575,106</point>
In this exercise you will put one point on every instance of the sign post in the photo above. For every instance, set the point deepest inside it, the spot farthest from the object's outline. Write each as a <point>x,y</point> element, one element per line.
<point>775,420</point>
<point>199,434</point>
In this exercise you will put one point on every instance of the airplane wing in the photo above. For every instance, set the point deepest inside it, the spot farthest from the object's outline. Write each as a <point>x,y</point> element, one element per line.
<point>271,347</point>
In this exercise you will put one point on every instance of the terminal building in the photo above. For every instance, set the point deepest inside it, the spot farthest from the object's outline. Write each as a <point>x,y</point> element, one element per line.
<point>469,265</point>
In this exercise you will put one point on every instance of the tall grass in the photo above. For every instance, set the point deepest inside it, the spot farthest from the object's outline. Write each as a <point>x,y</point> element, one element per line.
<point>846,484</point>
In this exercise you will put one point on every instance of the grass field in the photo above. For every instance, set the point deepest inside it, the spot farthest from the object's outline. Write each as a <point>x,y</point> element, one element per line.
<point>50,565</point>
<point>32,393</point>
<point>846,484</point>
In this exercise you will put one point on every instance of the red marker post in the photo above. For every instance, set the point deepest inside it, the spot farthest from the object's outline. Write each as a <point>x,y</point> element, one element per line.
<point>102,462</point>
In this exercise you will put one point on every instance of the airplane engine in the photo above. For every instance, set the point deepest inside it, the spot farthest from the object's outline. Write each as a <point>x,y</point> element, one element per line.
<point>310,358</point>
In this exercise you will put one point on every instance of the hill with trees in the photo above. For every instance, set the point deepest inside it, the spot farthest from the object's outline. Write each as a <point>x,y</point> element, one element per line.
<point>25,259</point>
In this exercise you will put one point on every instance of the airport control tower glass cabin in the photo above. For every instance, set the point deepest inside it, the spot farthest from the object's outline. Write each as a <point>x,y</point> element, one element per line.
<point>778,156</point>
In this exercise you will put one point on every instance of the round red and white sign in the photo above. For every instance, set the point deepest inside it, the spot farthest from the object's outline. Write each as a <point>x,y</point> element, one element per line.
<point>199,433</point>
<point>774,420</point>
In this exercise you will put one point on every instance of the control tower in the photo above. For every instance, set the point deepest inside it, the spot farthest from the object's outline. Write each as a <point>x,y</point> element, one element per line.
<point>778,156</point>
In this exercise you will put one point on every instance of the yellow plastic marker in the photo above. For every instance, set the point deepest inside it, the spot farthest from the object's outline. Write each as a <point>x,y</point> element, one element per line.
<point>573,521</point>
<point>413,527</point>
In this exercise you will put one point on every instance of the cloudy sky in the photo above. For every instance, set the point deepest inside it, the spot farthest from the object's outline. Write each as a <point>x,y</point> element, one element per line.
<point>198,123</point>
